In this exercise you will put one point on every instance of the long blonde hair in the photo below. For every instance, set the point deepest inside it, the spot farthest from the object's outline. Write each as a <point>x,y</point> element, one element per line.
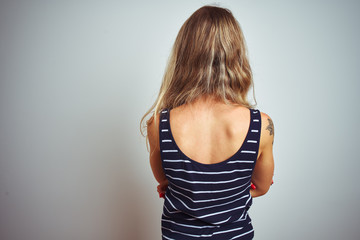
<point>208,58</point>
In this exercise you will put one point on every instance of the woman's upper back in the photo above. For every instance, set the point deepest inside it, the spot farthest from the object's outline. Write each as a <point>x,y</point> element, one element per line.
<point>210,132</point>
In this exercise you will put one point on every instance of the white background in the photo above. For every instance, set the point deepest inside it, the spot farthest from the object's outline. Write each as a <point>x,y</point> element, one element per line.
<point>77,76</point>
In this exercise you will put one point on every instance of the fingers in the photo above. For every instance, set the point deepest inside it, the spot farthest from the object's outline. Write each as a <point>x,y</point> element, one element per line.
<point>161,192</point>
<point>161,189</point>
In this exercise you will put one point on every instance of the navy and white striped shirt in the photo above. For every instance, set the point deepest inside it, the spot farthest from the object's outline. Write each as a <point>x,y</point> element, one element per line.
<point>208,201</point>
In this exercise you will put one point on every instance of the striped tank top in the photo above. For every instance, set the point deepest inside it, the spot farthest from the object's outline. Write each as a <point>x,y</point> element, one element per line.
<point>208,201</point>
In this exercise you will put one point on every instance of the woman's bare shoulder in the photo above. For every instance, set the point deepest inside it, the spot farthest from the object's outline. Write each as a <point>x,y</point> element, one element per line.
<point>267,130</point>
<point>153,130</point>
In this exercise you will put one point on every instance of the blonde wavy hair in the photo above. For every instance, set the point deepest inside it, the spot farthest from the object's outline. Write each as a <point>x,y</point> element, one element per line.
<point>208,58</point>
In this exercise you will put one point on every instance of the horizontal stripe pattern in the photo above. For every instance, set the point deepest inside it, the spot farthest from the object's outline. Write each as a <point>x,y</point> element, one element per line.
<point>208,201</point>
<point>201,172</point>
<point>169,150</point>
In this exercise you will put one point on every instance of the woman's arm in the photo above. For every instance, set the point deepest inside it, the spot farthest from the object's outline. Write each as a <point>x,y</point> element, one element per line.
<point>155,158</point>
<point>264,167</point>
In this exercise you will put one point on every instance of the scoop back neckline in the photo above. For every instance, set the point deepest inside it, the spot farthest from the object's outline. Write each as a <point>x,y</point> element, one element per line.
<point>232,157</point>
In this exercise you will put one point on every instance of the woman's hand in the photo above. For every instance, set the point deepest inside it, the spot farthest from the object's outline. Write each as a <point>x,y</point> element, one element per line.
<point>161,188</point>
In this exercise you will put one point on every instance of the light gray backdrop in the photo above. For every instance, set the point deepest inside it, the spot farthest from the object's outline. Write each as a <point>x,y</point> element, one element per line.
<point>77,76</point>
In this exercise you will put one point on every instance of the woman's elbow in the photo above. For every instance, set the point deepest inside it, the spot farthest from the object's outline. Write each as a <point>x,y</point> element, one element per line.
<point>259,191</point>
<point>264,191</point>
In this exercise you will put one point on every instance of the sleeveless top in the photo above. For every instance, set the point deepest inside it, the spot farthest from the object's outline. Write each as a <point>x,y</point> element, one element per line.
<point>208,201</point>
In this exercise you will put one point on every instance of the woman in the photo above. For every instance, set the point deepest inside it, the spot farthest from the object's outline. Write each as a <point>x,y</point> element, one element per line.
<point>208,144</point>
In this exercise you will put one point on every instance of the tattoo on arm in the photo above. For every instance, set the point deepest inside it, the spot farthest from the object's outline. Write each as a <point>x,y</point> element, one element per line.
<point>270,127</point>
